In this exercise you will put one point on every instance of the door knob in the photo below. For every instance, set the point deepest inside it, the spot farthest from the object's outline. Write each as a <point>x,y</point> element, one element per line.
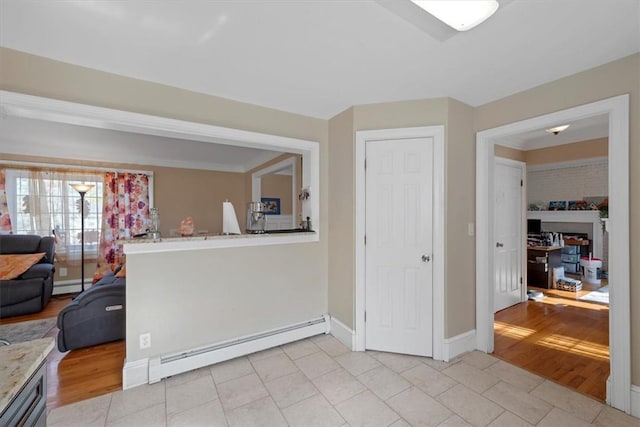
<point>499,245</point>
<point>426,258</point>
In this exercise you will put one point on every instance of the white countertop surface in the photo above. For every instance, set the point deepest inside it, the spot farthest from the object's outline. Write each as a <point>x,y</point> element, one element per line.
<point>17,363</point>
<point>168,244</point>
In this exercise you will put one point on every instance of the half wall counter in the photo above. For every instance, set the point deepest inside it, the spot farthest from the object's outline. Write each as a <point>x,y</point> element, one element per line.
<point>187,243</point>
<point>194,301</point>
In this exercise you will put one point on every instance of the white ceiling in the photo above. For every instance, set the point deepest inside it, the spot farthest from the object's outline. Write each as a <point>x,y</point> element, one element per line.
<point>579,130</point>
<point>319,57</point>
<point>309,57</point>
<point>27,136</point>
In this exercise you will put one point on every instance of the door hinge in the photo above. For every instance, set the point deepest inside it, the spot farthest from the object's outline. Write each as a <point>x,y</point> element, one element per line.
<point>365,164</point>
<point>521,281</point>
<point>365,239</point>
<point>365,316</point>
<point>521,183</point>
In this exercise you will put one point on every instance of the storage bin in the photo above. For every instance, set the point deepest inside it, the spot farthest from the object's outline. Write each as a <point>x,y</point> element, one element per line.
<point>570,267</point>
<point>573,258</point>
<point>571,250</point>
<point>572,286</point>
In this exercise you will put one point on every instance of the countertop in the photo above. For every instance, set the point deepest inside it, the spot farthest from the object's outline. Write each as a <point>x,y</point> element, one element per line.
<point>198,237</point>
<point>17,363</point>
<point>196,242</point>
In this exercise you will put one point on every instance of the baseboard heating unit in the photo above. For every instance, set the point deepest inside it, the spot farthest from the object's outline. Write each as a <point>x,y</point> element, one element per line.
<point>169,365</point>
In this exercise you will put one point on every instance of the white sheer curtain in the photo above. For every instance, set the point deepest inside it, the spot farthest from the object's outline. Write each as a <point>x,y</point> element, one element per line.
<point>46,204</point>
<point>5,217</point>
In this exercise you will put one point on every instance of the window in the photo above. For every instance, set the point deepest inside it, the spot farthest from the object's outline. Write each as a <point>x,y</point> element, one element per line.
<point>43,201</point>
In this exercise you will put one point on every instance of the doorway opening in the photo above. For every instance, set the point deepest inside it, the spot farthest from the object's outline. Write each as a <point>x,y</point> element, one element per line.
<point>544,330</point>
<point>617,111</point>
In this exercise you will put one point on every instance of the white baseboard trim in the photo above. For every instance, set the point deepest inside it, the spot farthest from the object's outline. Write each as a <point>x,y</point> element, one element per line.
<point>70,286</point>
<point>183,361</point>
<point>459,344</point>
<point>635,401</point>
<point>343,333</point>
<point>135,373</point>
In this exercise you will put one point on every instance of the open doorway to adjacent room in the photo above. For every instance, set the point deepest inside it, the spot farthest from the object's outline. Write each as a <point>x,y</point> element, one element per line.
<point>562,332</point>
<point>559,192</point>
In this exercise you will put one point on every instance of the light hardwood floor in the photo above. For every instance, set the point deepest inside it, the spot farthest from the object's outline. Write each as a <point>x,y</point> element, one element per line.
<point>78,374</point>
<point>560,338</point>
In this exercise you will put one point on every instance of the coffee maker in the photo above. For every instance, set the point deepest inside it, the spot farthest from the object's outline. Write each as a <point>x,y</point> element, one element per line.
<point>256,218</point>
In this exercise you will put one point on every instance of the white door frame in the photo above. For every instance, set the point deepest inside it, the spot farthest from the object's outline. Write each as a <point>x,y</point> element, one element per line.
<point>523,220</point>
<point>617,109</point>
<point>437,133</point>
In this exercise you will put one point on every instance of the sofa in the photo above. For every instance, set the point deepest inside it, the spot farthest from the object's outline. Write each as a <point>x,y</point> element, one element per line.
<point>31,290</point>
<point>96,316</point>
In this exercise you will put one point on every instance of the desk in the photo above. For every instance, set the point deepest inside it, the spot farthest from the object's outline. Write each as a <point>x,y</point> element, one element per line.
<point>541,260</point>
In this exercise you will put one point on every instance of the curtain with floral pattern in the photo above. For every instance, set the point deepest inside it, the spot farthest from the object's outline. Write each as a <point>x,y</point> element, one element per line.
<point>125,213</point>
<point>5,219</point>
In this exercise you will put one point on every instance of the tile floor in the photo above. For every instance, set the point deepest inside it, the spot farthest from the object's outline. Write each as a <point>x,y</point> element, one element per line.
<point>319,382</point>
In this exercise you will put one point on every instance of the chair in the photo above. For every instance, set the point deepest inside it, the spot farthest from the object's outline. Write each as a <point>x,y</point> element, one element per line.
<point>96,316</point>
<point>31,291</point>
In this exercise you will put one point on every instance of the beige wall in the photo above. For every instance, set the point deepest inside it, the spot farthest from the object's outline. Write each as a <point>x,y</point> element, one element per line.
<point>460,247</point>
<point>616,78</point>
<point>34,75</point>
<point>460,174</point>
<point>342,218</point>
<point>29,74</point>
<point>509,153</point>
<point>199,194</point>
<point>422,112</point>
<point>562,153</point>
<point>342,130</point>
<point>568,152</point>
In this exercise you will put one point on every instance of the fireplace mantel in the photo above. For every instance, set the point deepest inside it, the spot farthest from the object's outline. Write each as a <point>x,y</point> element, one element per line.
<point>592,217</point>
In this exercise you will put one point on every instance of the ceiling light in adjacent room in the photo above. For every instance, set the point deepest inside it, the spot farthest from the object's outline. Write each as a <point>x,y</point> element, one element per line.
<point>556,130</point>
<point>461,15</point>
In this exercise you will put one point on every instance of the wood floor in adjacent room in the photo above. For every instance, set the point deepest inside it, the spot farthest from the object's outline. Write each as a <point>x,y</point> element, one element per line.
<point>560,338</point>
<point>78,374</point>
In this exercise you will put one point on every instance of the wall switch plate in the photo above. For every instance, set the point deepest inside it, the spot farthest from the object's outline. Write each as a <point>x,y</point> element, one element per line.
<point>63,271</point>
<point>145,341</point>
<point>471,229</point>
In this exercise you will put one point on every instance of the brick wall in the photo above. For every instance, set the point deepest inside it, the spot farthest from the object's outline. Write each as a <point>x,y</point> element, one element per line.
<point>549,183</point>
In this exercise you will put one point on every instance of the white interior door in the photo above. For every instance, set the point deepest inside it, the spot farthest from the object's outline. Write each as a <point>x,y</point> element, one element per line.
<point>509,244</point>
<point>399,245</point>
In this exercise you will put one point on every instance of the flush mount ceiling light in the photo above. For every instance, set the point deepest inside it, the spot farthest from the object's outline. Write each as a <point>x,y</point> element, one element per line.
<point>556,130</point>
<point>461,15</point>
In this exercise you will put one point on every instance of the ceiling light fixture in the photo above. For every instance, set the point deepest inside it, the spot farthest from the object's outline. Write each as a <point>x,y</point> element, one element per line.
<point>461,15</point>
<point>556,130</point>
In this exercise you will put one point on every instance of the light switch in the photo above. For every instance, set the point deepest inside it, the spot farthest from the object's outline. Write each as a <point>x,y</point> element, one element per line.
<point>471,229</point>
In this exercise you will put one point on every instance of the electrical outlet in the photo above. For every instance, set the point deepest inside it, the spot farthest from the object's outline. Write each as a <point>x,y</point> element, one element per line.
<point>145,341</point>
<point>63,271</point>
